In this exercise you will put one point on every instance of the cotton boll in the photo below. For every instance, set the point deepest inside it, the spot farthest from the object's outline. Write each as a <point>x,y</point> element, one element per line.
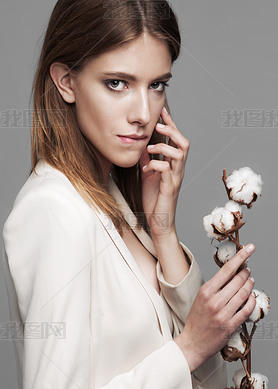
<point>245,194</point>
<point>232,206</point>
<point>234,179</point>
<point>207,223</point>
<point>259,381</point>
<point>237,342</point>
<point>216,210</point>
<point>224,252</point>
<point>244,185</point>
<point>246,172</point>
<point>223,220</point>
<point>239,374</point>
<point>262,306</point>
<point>209,226</point>
<point>237,347</point>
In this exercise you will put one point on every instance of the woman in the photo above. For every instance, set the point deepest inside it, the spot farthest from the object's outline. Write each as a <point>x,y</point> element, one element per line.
<point>91,243</point>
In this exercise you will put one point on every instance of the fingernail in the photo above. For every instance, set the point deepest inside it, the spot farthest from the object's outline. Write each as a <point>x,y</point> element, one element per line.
<point>247,268</point>
<point>250,248</point>
<point>160,125</point>
<point>144,167</point>
<point>165,110</point>
<point>151,146</point>
<point>252,279</point>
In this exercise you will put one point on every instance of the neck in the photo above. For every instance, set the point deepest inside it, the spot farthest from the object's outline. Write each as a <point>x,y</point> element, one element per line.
<point>106,172</point>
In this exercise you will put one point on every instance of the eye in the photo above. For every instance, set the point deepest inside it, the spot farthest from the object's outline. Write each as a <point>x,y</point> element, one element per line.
<point>116,85</point>
<point>159,86</point>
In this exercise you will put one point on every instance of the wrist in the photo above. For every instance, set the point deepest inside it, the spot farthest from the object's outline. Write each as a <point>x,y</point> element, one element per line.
<point>168,237</point>
<point>188,349</point>
<point>173,260</point>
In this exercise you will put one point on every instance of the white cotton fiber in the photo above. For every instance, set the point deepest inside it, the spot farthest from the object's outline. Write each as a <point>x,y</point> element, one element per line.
<point>259,381</point>
<point>232,206</point>
<point>225,251</point>
<point>244,184</point>
<point>237,342</point>
<point>207,223</point>
<point>223,220</point>
<point>262,306</point>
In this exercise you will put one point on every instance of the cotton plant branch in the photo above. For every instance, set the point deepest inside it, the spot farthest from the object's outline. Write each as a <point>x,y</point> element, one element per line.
<point>243,187</point>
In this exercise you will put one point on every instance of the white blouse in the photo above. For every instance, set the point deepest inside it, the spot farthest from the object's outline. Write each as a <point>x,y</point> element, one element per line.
<point>86,316</point>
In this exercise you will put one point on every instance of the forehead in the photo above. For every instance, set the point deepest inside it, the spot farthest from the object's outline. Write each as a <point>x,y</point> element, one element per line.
<point>144,57</point>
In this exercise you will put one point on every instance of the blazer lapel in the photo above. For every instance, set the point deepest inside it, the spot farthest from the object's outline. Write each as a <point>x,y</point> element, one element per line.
<point>131,218</point>
<point>155,298</point>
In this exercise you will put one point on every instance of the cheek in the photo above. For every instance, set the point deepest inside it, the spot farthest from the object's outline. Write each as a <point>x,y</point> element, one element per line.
<point>91,110</point>
<point>157,110</point>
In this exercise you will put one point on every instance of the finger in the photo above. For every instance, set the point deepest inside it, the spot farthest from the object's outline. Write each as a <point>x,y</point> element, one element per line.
<point>225,294</point>
<point>228,270</point>
<point>167,118</point>
<point>166,150</point>
<point>162,167</point>
<point>239,298</point>
<point>176,137</point>
<point>174,156</point>
<point>243,314</point>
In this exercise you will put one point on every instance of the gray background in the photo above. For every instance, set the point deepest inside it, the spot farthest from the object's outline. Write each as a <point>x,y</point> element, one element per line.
<point>228,61</point>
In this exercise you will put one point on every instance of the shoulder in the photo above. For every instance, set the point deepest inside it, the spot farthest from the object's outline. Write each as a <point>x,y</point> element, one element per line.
<point>46,182</point>
<point>48,197</point>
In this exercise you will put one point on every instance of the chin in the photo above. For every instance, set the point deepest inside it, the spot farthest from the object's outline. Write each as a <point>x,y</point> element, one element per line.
<point>127,163</point>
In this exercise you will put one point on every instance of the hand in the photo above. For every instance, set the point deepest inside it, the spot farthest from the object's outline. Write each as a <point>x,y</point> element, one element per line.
<point>217,311</point>
<point>161,180</point>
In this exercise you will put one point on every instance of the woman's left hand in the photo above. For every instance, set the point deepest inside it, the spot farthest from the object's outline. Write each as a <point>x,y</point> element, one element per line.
<point>161,180</point>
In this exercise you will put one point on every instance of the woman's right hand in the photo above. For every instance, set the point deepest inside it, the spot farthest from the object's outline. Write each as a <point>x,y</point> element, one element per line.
<point>217,311</point>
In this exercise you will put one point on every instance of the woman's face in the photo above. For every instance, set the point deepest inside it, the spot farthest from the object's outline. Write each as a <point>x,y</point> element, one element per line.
<point>119,96</point>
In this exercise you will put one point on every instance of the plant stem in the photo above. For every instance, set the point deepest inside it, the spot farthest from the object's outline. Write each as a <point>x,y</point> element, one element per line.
<point>237,241</point>
<point>249,339</point>
<point>253,330</point>
<point>245,331</point>
<point>233,239</point>
<point>249,362</point>
<point>244,324</point>
<point>224,177</point>
<point>246,371</point>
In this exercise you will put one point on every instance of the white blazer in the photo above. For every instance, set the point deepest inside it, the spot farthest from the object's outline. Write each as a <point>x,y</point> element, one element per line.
<point>67,267</point>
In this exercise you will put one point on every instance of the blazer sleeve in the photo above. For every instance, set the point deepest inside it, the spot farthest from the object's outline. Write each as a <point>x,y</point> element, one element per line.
<point>212,374</point>
<point>180,297</point>
<point>49,254</point>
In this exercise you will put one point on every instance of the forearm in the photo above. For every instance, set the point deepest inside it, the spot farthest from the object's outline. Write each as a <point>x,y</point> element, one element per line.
<point>173,260</point>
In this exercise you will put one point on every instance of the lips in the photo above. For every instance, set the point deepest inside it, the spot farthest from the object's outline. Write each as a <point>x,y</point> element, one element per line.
<point>132,138</point>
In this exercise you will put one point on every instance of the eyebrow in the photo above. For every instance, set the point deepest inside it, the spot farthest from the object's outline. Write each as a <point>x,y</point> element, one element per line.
<point>131,77</point>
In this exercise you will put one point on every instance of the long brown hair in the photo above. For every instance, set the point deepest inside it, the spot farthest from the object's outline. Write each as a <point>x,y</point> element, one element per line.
<point>77,31</point>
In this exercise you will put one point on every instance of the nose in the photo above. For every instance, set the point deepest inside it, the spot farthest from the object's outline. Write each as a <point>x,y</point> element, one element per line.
<point>139,112</point>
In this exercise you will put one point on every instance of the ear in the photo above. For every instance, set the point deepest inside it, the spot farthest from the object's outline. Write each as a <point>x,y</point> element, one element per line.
<point>60,75</point>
